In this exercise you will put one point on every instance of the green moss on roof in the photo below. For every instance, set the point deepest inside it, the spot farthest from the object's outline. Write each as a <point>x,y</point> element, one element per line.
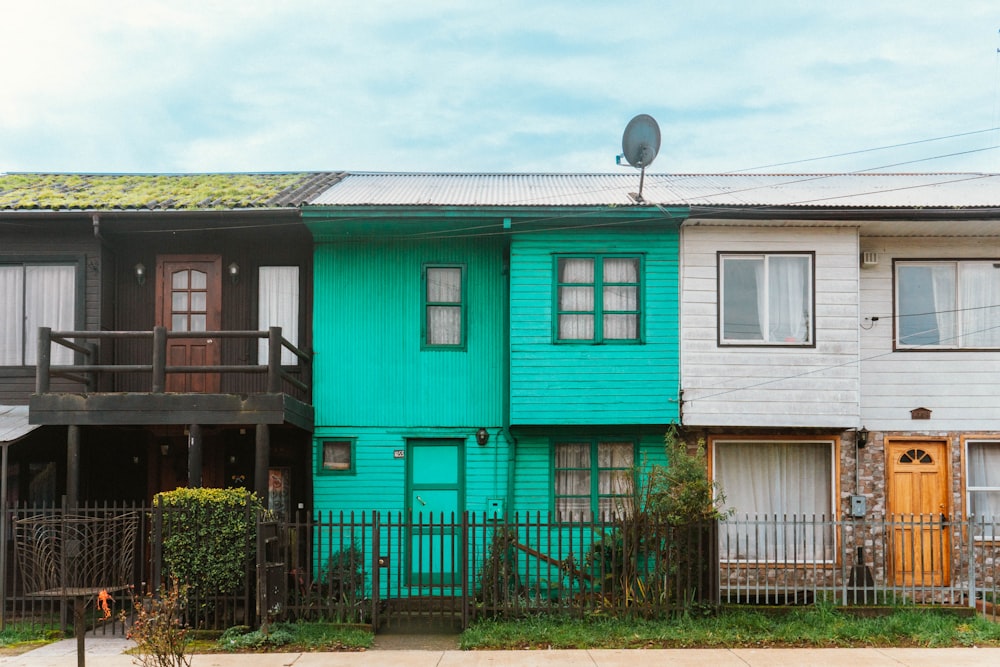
<point>58,192</point>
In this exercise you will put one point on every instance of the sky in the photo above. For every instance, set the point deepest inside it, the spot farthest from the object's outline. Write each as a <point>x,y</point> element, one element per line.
<point>123,86</point>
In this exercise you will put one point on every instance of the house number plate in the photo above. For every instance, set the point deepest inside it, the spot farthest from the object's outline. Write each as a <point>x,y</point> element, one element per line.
<point>398,453</point>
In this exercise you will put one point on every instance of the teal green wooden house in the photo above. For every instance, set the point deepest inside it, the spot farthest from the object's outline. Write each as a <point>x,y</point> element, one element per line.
<point>490,343</point>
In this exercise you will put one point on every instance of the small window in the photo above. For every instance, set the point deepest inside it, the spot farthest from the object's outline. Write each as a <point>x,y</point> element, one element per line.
<point>33,296</point>
<point>948,305</point>
<point>598,299</point>
<point>983,487</point>
<point>593,479</point>
<point>444,307</point>
<point>766,299</point>
<point>337,456</point>
<point>278,306</point>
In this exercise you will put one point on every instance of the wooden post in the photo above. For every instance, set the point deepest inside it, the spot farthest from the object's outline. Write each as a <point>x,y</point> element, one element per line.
<point>274,360</point>
<point>43,360</point>
<point>262,460</point>
<point>73,465</point>
<point>194,456</point>
<point>159,360</point>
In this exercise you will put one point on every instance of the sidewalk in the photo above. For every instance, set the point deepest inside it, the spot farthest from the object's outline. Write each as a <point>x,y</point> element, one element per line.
<point>107,652</point>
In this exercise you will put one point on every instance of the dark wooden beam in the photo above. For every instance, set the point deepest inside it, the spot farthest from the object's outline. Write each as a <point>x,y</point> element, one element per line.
<point>73,466</point>
<point>262,461</point>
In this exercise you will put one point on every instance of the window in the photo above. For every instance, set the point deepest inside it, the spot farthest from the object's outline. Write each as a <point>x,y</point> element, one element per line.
<point>444,309</point>
<point>592,478</point>
<point>983,485</point>
<point>598,299</point>
<point>32,296</point>
<point>780,492</point>
<point>766,299</point>
<point>952,304</point>
<point>336,456</point>
<point>278,306</point>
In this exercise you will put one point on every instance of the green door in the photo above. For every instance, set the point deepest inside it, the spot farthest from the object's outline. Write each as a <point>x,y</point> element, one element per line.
<point>435,501</point>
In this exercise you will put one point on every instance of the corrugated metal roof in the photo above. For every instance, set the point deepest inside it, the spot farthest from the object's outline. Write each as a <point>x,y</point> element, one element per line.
<point>948,190</point>
<point>14,423</point>
<point>164,192</point>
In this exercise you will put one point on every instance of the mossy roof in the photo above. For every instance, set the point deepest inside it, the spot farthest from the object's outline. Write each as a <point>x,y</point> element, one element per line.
<point>167,192</point>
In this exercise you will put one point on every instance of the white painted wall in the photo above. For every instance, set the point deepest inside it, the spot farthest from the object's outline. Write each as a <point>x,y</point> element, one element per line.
<point>961,388</point>
<point>764,386</point>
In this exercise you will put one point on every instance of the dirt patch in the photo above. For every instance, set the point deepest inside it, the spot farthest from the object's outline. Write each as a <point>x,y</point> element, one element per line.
<point>415,642</point>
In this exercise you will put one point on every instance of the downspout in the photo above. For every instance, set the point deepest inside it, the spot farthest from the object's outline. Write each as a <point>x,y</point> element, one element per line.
<point>97,227</point>
<point>511,440</point>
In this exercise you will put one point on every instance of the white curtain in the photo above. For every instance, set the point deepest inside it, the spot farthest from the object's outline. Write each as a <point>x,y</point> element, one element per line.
<point>577,325</point>
<point>572,481</point>
<point>780,493</point>
<point>617,325</point>
<point>278,306</point>
<point>943,289</point>
<point>980,298</point>
<point>788,294</point>
<point>983,469</point>
<point>49,300</point>
<point>11,315</point>
<point>614,462</point>
<point>444,323</point>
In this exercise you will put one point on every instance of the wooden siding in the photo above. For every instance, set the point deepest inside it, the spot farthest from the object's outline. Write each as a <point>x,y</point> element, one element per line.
<point>553,384</point>
<point>370,369</point>
<point>959,387</point>
<point>63,243</point>
<point>764,386</point>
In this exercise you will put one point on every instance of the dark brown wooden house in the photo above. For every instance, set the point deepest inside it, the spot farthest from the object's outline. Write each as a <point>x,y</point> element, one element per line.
<point>158,327</point>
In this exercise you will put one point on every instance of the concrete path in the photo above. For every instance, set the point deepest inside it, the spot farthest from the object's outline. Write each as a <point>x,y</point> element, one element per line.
<point>107,652</point>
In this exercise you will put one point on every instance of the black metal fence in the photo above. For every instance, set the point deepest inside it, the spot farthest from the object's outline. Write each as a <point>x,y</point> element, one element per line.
<point>382,569</point>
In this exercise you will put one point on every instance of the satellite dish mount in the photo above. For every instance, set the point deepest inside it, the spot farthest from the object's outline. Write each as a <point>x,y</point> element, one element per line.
<point>640,144</point>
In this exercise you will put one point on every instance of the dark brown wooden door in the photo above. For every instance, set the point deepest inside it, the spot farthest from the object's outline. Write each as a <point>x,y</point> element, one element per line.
<point>189,298</point>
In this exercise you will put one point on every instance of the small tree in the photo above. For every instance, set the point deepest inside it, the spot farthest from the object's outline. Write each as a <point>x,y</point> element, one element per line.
<point>158,629</point>
<point>681,493</point>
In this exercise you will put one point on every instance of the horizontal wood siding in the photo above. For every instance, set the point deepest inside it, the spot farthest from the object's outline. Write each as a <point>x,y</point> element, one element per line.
<point>592,384</point>
<point>761,386</point>
<point>961,388</point>
<point>370,368</point>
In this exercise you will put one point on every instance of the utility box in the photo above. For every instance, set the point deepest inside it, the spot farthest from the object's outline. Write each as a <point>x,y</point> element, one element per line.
<point>494,508</point>
<point>859,506</point>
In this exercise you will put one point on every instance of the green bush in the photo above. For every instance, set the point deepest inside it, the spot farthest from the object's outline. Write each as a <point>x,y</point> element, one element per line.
<point>208,535</point>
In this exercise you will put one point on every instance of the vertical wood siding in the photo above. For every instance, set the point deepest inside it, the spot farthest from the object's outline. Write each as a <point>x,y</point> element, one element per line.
<point>592,384</point>
<point>370,369</point>
<point>960,387</point>
<point>760,386</point>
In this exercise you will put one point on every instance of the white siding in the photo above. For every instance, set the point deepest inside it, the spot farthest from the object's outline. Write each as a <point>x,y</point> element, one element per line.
<point>762,386</point>
<point>961,388</point>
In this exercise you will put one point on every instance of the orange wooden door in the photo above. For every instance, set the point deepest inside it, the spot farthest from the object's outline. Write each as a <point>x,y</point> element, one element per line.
<point>189,289</point>
<point>918,508</point>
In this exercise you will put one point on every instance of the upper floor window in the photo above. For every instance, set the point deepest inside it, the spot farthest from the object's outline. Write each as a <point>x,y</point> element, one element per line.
<point>983,486</point>
<point>444,306</point>
<point>278,306</point>
<point>948,304</point>
<point>766,299</point>
<point>32,296</point>
<point>598,298</point>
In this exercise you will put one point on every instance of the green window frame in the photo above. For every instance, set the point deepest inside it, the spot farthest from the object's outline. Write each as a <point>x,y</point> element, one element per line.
<point>444,306</point>
<point>592,477</point>
<point>336,456</point>
<point>597,298</point>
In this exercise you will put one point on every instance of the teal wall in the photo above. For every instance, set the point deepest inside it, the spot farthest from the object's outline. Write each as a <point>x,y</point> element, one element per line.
<point>369,368</point>
<point>593,384</point>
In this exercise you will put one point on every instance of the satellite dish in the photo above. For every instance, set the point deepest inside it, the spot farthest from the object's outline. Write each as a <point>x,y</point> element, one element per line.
<point>641,141</point>
<point>640,144</point>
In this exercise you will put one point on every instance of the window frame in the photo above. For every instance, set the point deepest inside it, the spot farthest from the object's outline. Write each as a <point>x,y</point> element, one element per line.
<point>957,263</point>
<point>833,444</point>
<point>722,256</point>
<point>595,469</point>
<point>426,305</point>
<point>75,262</point>
<point>994,442</point>
<point>352,467</point>
<point>598,312</point>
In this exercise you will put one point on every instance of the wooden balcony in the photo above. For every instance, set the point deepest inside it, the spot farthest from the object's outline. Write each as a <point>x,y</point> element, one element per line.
<point>92,392</point>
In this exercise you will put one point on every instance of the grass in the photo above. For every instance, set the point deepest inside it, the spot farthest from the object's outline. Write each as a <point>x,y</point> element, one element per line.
<point>819,626</point>
<point>28,634</point>
<point>290,637</point>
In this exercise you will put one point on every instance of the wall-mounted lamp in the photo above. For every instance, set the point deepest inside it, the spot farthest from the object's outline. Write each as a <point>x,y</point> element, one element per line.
<point>140,273</point>
<point>164,449</point>
<point>482,437</point>
<point>234,272</point>
<point>861,437</point>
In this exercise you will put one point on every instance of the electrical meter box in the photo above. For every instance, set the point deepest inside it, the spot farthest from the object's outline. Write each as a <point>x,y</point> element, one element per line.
<point>859,506</point>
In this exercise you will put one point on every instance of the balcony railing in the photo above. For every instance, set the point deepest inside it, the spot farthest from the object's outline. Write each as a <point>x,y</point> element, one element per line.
<point>86,345</point>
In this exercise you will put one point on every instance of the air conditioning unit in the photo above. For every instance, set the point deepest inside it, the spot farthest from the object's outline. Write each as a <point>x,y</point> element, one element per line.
<point>869,259</point>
